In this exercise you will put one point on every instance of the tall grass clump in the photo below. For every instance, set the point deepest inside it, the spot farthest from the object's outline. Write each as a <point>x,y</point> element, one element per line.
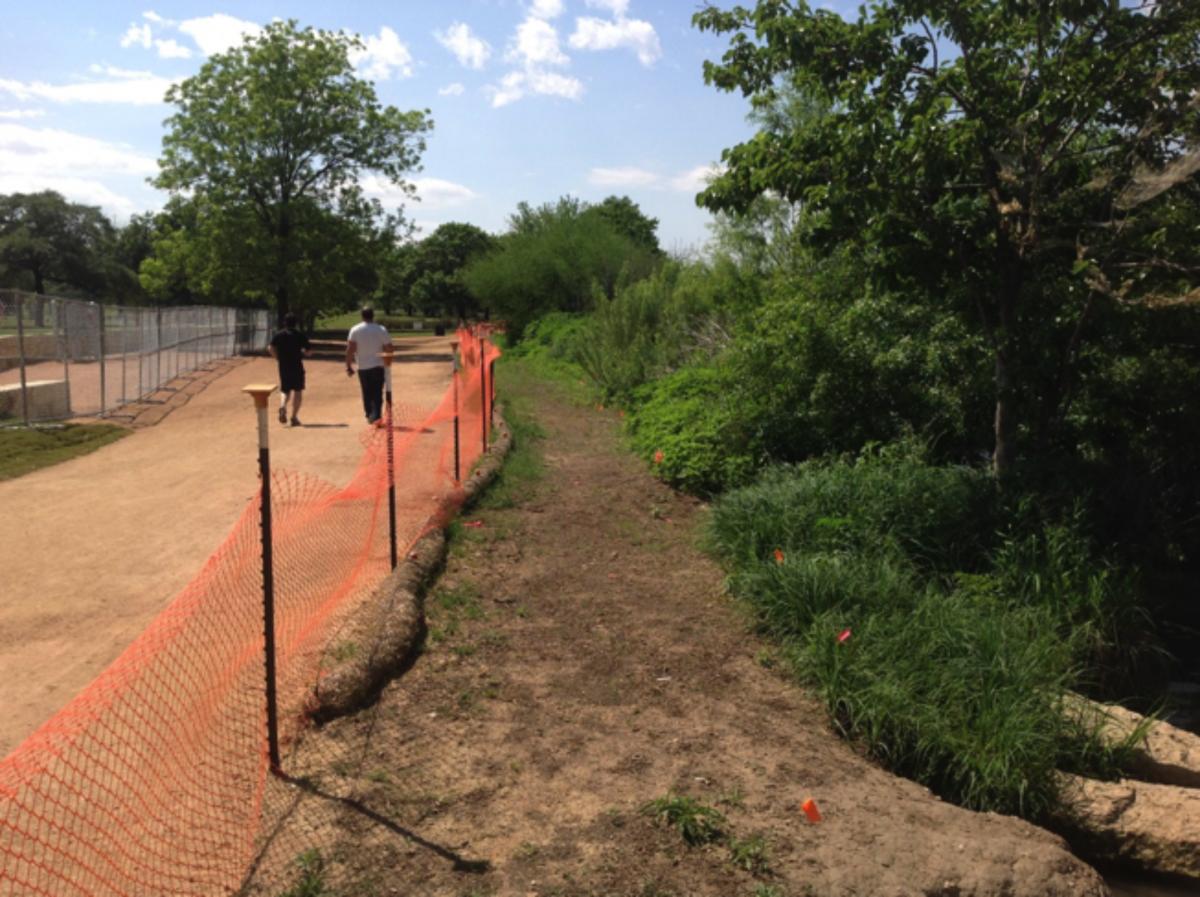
<point>943,518</point>
<point>944,647</point>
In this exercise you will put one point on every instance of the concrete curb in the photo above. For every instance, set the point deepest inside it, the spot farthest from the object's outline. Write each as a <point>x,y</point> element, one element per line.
<point>392,622</point>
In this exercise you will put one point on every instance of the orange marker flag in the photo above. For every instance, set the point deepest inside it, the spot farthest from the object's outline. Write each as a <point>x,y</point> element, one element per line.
<point>810,810</point>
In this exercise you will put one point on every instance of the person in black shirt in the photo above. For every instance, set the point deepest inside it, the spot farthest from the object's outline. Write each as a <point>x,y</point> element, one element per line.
<point>289,347</point>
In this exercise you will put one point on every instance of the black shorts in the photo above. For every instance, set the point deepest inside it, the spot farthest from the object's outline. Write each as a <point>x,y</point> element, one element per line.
<point>291,379</point>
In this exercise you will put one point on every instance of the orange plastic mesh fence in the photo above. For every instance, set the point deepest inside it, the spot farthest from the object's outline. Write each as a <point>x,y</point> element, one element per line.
<point>151,781</point>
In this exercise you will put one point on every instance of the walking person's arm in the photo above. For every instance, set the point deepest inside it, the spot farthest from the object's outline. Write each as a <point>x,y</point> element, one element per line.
<point>351,352</point>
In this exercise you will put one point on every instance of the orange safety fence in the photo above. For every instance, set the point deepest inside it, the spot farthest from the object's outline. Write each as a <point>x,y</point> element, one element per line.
<point>151,781</point>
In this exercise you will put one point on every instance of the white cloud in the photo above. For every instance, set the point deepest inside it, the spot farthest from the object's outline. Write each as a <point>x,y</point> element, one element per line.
<point>136,34</point>
<point>383,54</point>
<point>170,49</point>
<point>533,47</point>
<point>22,113</point>
<point>536,43</point>
<point>438,194</point>
<point>635,34</point>
<point>435,193</point>
<point>696,179</point>
<point>617,7</point>
<point>515,85</point>
<point>33,159</point>
<point>511,89</point>
<point>469,50</point>
<point>546,9</point>
<point>218,32</point>
<point>622,177</point>
<point>554,84</point>
<point>452,90</point>
<point>134,88</point>
<point>151,16</point>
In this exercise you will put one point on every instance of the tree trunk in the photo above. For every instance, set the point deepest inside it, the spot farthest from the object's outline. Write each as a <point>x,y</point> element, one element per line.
<point>1005,423</point>
<point>1004,454</point>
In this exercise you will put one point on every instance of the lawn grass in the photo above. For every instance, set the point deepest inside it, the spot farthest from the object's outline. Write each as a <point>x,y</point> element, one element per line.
<point>23,450</point>
<point>337,326</point>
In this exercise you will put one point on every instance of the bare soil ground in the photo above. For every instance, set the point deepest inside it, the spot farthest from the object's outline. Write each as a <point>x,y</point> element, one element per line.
<point>92,549</point>
<point>582,661</point>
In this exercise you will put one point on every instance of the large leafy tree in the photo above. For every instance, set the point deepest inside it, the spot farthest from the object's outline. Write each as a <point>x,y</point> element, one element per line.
<point>274,135</point>
<point>438,262</point>
<point>558,256</point>
<point>628,219</point>
<point>1031,163</point>
<point>45,239</point>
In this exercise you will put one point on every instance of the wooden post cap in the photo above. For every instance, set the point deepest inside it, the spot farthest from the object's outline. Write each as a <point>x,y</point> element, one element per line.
<point>260,392</point>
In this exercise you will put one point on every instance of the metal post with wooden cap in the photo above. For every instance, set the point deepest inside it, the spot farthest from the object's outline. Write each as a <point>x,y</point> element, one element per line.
<point>261,393</point>
<point>388,355</point>
<point>454,386</point>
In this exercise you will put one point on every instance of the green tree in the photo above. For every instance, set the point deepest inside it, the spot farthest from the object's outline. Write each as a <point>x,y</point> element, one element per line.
<point>438,262</point>
<point>628,219</point>
<point>46,239</point>
<point>274,135</point>
<point>1027,162</point>
<point>556,257</point>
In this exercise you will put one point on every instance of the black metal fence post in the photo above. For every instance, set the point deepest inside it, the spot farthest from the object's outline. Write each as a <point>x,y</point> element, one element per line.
<point>391,452</point>
<point>261,393</point>
<point>454,386</point>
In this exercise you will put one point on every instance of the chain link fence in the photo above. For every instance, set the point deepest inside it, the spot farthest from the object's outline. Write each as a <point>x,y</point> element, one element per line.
<point>62,358</point>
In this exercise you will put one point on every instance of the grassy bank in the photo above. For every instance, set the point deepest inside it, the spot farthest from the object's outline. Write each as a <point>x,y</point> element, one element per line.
<point>23,450</point>
<point>938,639</point>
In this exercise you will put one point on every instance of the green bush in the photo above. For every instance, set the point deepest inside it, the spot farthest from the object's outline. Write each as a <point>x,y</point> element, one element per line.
<point>942,518</point>
<point>944,649</point>
<point>961,695</point>
<point>828,366</point>
<point>685,426</point>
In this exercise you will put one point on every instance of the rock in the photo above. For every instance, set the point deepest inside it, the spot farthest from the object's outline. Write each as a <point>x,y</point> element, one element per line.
<point>1167,755</point>
<point>1154,826</point>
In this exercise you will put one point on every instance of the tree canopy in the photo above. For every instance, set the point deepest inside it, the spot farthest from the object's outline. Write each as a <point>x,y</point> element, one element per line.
<point>49,239</point>
<point>271,139</point>
<point>1032,164</point>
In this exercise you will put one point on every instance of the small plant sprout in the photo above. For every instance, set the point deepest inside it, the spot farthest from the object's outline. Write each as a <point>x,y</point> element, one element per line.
<point>696,823</point>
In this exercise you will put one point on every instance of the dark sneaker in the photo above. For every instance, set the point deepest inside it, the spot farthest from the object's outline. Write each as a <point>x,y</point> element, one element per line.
<point>295,421</point>
<point>283,415</point>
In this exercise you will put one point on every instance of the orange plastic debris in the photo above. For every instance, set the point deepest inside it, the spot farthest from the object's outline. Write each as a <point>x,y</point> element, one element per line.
<point>658,457</point>
<point>843,636</point>
<point>779,555</point>
<point>810,810</point>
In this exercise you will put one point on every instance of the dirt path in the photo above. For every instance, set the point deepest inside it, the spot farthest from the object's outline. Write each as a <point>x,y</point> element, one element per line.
<point>92,549</point>
<point>582,661</point>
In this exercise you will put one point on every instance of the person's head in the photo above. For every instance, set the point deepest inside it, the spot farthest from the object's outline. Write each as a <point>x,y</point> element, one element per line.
<point>289,321</point>
<point>368,313</point>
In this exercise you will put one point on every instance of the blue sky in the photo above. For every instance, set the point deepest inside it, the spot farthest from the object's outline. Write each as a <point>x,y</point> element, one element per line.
<point>531,99</point>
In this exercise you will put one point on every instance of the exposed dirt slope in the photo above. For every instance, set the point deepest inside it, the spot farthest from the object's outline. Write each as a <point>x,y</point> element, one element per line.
<point>582,661</point>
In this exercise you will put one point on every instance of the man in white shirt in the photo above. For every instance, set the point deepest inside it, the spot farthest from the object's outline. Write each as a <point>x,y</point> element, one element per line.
<point>365,344</point>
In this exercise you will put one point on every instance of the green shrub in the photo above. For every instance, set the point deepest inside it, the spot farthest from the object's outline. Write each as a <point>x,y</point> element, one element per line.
<point>685,426</point>
<point>942,518</point>
<point>944,650</point>
<point>960,694</point>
